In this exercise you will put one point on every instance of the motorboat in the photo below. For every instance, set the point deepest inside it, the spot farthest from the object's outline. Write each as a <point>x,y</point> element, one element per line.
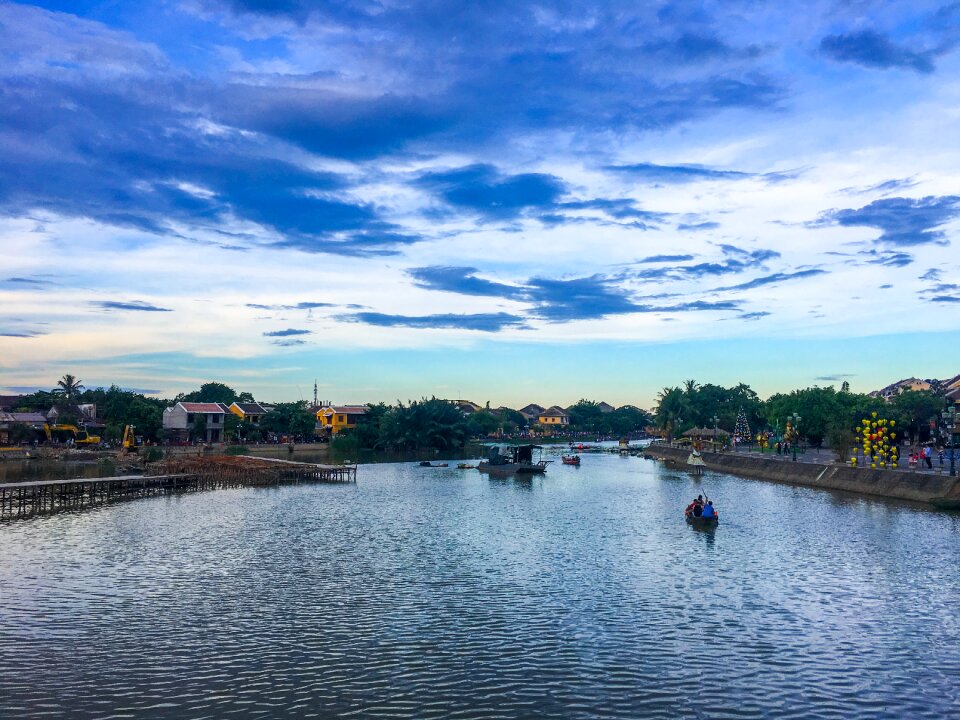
<point>509,459</point>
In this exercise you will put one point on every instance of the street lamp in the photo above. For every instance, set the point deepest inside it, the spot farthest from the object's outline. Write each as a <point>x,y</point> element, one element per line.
<point>950,421</point>
<point>716,420</point>
<point>794,421</point>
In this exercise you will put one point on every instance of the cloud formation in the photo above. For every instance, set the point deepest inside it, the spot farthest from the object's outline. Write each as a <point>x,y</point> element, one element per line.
<point>902,221</point>
<point>133,305</point>
<point>872,49</point>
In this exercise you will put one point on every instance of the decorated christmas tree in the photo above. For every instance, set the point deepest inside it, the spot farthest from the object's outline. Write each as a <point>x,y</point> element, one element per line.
<point>741,431</point>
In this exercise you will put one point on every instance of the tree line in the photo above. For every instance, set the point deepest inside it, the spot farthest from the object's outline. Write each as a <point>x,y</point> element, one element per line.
<point>827,414</point>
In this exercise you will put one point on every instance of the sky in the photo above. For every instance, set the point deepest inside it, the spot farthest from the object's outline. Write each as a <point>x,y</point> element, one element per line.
<point>510,202</point>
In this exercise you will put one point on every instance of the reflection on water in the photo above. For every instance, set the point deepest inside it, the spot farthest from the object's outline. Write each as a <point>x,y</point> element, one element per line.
<point>438,592</point>
<point>24,470</point>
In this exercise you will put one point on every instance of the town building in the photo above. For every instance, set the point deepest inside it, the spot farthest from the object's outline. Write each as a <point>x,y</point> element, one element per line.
<point>554,418</point>
<point>334,419</point>
<point>32,420</point>
<point>901,386</point>
<point>179,420</point>
<point>250,413</point>
<point>531,412</point>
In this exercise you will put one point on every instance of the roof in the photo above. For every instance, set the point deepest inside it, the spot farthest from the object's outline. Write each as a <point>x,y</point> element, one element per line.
<point>605,407</point>
<point>192,407</point>
<point>250,408</point>
<point>348,409</point>
<point>27,417</point>
<point>531,410</point>
<point>10,401</point>
<point>555,412</point>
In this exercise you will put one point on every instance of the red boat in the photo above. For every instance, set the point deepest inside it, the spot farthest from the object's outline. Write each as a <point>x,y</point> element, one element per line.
<point>570,459</point>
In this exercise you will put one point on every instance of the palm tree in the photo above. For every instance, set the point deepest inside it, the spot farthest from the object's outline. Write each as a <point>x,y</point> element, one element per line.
<point>671,407</point>
<point>68,386</point>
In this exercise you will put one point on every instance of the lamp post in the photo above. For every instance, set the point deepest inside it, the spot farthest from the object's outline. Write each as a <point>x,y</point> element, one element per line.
<point>794,421</point>
<point>716,421</point>
<point>950,422</point>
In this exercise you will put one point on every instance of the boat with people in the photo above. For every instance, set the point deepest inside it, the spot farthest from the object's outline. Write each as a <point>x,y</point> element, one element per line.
<point>701,513</point>
<point>570,459</point>
<point>509,459</point>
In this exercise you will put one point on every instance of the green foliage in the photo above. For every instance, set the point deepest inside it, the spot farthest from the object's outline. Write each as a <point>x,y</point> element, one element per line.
<point>119,408</point>
<point>151,454</point>
<point>199,428</point>
<point>289,419</point>
<point>68,387</point>
<point>237,450</point>
<point>231,423</point>
<point>483,423</point>
<point>421,425</point>
<point>20,433</point>
<point>40,400</point>
<point>914,409</point>
<point>212,392</point>
<point>819,408</point>
<point>587,416</point>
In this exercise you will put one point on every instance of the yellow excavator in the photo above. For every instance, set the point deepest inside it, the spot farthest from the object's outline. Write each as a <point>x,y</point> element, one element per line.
<point>129,444</point>
<point>70,432</point>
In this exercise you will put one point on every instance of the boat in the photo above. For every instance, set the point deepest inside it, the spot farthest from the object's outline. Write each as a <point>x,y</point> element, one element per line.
<point>466,466</point>
<point>700,521</point>
<point>509,459</point>
<point>427,463</point>
<point>570,459</point>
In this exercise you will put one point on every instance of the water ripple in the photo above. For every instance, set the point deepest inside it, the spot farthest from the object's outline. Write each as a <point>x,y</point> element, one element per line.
<point>438,593</point>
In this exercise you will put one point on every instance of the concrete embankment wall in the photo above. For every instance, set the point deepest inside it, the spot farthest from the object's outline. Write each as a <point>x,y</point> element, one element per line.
<point>939,490</point>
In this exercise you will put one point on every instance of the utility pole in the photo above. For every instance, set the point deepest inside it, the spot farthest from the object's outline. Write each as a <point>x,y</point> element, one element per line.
<point>314,392</point>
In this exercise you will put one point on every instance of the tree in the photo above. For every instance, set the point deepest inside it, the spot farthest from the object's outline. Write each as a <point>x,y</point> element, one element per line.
<point>914,410</point>
<point>671,408</point>
<point>483,423</point>
<point>211,392</point>
<point>289,419</point>
<point>231,424</point>
<point>199,427</point>
<point>68,386</point>
<point>586,416</point>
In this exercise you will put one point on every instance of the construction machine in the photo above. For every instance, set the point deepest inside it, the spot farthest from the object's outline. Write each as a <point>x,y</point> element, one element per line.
<point>129,444</point>
<point>70,432</point>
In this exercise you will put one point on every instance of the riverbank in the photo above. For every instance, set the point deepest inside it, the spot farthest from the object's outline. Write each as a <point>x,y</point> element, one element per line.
<point>942,491</point>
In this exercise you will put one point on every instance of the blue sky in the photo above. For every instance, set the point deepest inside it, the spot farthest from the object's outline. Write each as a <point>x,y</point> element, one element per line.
<point>515,202</point>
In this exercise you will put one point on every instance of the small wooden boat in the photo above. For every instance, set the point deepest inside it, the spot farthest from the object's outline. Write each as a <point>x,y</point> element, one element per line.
<point>570,459</point>
<point>427,463</point>
<point>466,466</point>
<point>700,521</point>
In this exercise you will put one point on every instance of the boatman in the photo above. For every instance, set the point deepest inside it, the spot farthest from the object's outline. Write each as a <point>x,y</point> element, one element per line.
<point>708,510</point>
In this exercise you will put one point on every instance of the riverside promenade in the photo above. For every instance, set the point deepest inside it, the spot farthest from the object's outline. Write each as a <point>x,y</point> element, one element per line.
<point>936,488</point>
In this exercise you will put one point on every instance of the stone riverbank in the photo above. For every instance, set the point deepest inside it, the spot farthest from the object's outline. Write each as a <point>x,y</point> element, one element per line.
<point>942,491</point>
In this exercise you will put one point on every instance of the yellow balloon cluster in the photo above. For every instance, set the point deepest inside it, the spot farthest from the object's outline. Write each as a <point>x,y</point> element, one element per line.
<point>877,440</point>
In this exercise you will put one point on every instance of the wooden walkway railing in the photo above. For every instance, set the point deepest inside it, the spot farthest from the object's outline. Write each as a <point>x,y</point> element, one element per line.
<point>22,499</point>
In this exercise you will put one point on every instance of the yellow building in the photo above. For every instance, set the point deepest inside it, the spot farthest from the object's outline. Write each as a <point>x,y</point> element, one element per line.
<point>336,418</point>
<point>553,419</point>
<point>248,412</point>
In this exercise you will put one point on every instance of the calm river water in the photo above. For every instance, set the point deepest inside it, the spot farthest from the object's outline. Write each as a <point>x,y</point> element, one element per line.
<point>426,592</point>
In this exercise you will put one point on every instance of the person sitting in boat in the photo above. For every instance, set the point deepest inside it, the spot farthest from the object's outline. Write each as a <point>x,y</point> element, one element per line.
<point>708,511</point>
<point>698,506</point>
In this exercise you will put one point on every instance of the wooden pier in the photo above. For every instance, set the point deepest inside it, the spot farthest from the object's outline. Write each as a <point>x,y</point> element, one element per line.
<point>188,474</point>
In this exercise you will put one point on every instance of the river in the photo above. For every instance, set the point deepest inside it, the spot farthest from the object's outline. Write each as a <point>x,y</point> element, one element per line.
<point>442,593</point>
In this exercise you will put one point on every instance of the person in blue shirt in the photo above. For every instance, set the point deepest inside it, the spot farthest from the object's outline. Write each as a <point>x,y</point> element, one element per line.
<point>708,510</point>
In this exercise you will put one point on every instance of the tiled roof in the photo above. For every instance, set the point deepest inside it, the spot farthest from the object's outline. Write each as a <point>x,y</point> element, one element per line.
<point>349,409</point>
<point>250,408</point>
<point>192,407</point>
<point>554,412</point>
<point>10,401</point>
<point>27,417</point>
